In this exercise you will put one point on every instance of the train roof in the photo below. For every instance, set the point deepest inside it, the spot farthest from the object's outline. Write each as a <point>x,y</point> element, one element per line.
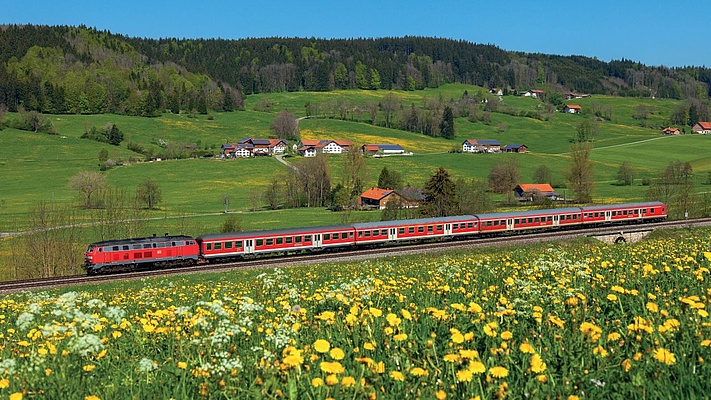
<point>418,221</point>
<point>626,205</point>
<point>526,213</point>
<point>149,239</point>
<point>273,232</point>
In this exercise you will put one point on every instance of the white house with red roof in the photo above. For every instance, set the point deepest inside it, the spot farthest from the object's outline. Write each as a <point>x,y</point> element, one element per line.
<point>671,131</point>
<point>572,108</point>
<point>309,148</point>
<point>531,191</point>
<point>702,127</point>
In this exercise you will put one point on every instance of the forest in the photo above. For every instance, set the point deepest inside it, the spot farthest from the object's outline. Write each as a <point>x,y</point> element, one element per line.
<point>82,70</point>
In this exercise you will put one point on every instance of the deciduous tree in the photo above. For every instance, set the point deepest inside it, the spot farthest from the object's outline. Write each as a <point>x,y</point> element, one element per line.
<point>542,174</point>
<point>87,183</point>
<point>625,174</point>
<point>148,193</point>
<point>504,177</point>
<point>580,173</point>
<point>285,126</point>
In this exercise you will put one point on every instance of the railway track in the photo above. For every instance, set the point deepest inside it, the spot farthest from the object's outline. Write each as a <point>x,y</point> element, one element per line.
<point>347,255</point>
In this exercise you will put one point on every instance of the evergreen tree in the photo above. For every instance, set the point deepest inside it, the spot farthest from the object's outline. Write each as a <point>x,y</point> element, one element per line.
<point>439,191</point>
<point>389,179</point>
<point>446,126</point>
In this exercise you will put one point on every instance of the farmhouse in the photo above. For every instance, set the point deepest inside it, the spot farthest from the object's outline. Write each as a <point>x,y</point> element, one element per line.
<point>671,131</point>
<point>237,150</point>
<point>531,192</point>
<point>703,128</point>
<point>572,108</point>
<point>481,146</point>
<point>263,147</point>
<point>515,148</point>
<point>372,149</point>
<point>379,198</point>
<point>309,148</point>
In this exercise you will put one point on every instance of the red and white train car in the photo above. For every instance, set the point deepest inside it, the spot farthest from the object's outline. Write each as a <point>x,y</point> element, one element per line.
<point>613,213</point>
<point>527,220</point>
<point>412,229</point>
<point>244,244</point>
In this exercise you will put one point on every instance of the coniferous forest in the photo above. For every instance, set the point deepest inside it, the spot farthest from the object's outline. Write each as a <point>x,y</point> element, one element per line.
<point>62,69</point>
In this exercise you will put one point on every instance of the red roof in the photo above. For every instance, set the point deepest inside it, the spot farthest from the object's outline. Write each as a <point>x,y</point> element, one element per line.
<point>542,187</point>
<point>705,125</point>
<point>375,193</point>
<point>309,142</point>
<point>344,143</point>
<point>574,106</point>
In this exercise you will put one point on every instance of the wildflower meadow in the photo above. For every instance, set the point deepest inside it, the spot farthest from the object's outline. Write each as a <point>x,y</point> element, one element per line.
<point>561,321</point>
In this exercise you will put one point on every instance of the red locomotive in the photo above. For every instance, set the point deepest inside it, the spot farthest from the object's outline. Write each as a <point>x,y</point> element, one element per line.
<point>156,252</point>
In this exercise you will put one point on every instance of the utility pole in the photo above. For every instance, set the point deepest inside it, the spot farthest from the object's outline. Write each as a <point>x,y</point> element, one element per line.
<point>226,202</point>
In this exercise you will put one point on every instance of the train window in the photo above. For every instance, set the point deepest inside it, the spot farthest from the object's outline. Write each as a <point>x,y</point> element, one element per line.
<point>455,227</point>
<point>238,244</point>
<point>350,235</point>
<point>644,211</point>
<point>376,232</point>
<point>367,233</point>
<point>439,227</point>
<point>115,248</point>
<point>651,211</point>
<point>517,221</point>
<point>469,225</point>
<point>401,231</point>
<point>326,236</point>
<point>634,212</point>
<point>430,229</point>
<point>270,242</point>
<point>411,229</point>
<point>420,229</point>
<point>208,246</point>
<point>218,246</point>
<point>260,242</point>
<point>614,213</point>
<point>383,232</point>
<point>279,240</point>
<point>360,234</point>
<point>228,245</point>
<point>124,247</point>
<point>496,223</point>
<point>487,223</point>
<point>537,219</point>
<point>344,235</point>
<point>530,221</point>
<point>289,240</point>
<point>307,238</point>
<point>297,239</point>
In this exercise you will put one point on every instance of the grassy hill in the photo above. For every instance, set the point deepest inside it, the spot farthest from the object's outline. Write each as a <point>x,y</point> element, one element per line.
<point>36,167</point>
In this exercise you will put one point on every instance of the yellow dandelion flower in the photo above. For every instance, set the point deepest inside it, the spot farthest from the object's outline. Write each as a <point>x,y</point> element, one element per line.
<point>332,367</point>
<point>369,346</point>
<point>452,358</point>
<point>612,297</point>
<point>417,371</point>
<point>88,368</point>
<point>537,364</point>
<point>441,395</point>
<point>506,335</point>
<point>16,396</point>
<point>457,337</point>
<point>400,337</point>
<point>627,364</point>
<point>542,378</point>
<point>613,336</point>
<point>489,329</point>
<point>92,397</point>
<point>664,356</point>
<point>499,372</point>
<point>573,397</point>
<point>706,343</point>
<point>652,307</point>
<point>599,350</point>
<point>332,380</point>
<point>393,319</point>
<point>316,382</point>
<point>322,346</point>
<point>182,364</point>
<point>397,375</point>
<point>375,312</point>
<point>464,375</point>
<point>525,347</point>
<point>470,354</point>
<point>337,354</point>
<point>348,381</point>
<point>406,314</point>
<point>4,383</point>
<point>477,367</point>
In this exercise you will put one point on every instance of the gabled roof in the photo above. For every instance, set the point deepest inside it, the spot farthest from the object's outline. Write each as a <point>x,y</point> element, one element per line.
<point>483,142</point>
<point>542,187</point>
<point>705,125</point>
<point>382,147</point>
<point>573,107</point>
<point>411,194</point>
<point>375,193</point>
<point>670,129</point>
<point>274,142</point>
<point>514,146</point>
<point>344,143</point>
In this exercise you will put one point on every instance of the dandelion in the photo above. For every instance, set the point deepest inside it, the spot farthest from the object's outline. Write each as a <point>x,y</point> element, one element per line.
<point>322,346</point>
<point>332,367</point>
<point>452,358</point>
<point>506,335</point>
<point>612,297</point>
<point>525,347</point>
<point>348,381</point>
<point>337,354</point>
<point>92,397</point>
<point>182,365</point>
<point>417,371</point>
<point>464,375</point>
<point>477,367</point>
<point>627,364</point>
<point>499,372</point>
<point>4,383</point>
<point>331,380</point>
<point>397,375</point>
<point>316,382</point>
<point>470,354</point>
<point>664,356</point>
<point>16,396</point>
<point>400,337</point>
<point>88,368</point>
<point>441,395</point>
<point>537,364</point>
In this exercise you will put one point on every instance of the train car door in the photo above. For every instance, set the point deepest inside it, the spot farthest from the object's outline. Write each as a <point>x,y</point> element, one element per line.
<point>447,229</point>
<point>392,234</point>
<point>317,240</point>
<point>555,220</point>
<point>249,246</point>
<point>509,224</point>
<point>608,216</point>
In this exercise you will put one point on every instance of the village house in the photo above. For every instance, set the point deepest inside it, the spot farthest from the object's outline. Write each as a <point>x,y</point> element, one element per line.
<point>573,95</point>
<point>671,131</point>
<point>535,93</point>
<point>515,148</point>
<point>703,128</point>
<point>385,149</point>
<point>572,108</point>
<point>309,148</point>
<point>379,198</point>
<point>496,91</point>
<point>481,146</point>
<point>531,192</point>
<point>249,147</point>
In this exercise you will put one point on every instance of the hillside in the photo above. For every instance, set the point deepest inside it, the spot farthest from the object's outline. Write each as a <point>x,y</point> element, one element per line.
<point>82,70</point>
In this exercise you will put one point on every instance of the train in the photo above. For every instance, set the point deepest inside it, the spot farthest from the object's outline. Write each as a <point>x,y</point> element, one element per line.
<point>175,251</point>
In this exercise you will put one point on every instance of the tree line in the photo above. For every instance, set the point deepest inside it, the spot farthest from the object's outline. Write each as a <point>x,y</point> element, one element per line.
<point>62,69</point>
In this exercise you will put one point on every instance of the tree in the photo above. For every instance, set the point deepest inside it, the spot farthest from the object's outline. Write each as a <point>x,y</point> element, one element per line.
<point>285,126</point>
<point>586,130</point>
<point>446,126</point>
<point>103,156</point>
<point>389,179</point>
<point>374,79</point>
<point>542,174</point>
<point>625,174</point>
<point>232,223</point>
<point>439,194</point>
<point>471,197</point>
<point>504,177</point>
<point>580,172</point>
<point>641,112</point>
<point>272,195</point>
<point>388,105</point>
<point>148,192</point>
<point>87,183</point>
<point>674,187</point>
<point>354,169</point>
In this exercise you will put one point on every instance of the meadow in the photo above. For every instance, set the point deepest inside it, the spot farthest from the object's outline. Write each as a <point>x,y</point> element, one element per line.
<point>563,320</point>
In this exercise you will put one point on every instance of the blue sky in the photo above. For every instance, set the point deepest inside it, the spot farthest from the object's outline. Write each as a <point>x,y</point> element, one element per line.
<point>654,32</point>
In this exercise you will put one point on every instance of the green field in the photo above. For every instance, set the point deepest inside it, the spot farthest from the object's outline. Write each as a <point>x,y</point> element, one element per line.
<point>36,167</point>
